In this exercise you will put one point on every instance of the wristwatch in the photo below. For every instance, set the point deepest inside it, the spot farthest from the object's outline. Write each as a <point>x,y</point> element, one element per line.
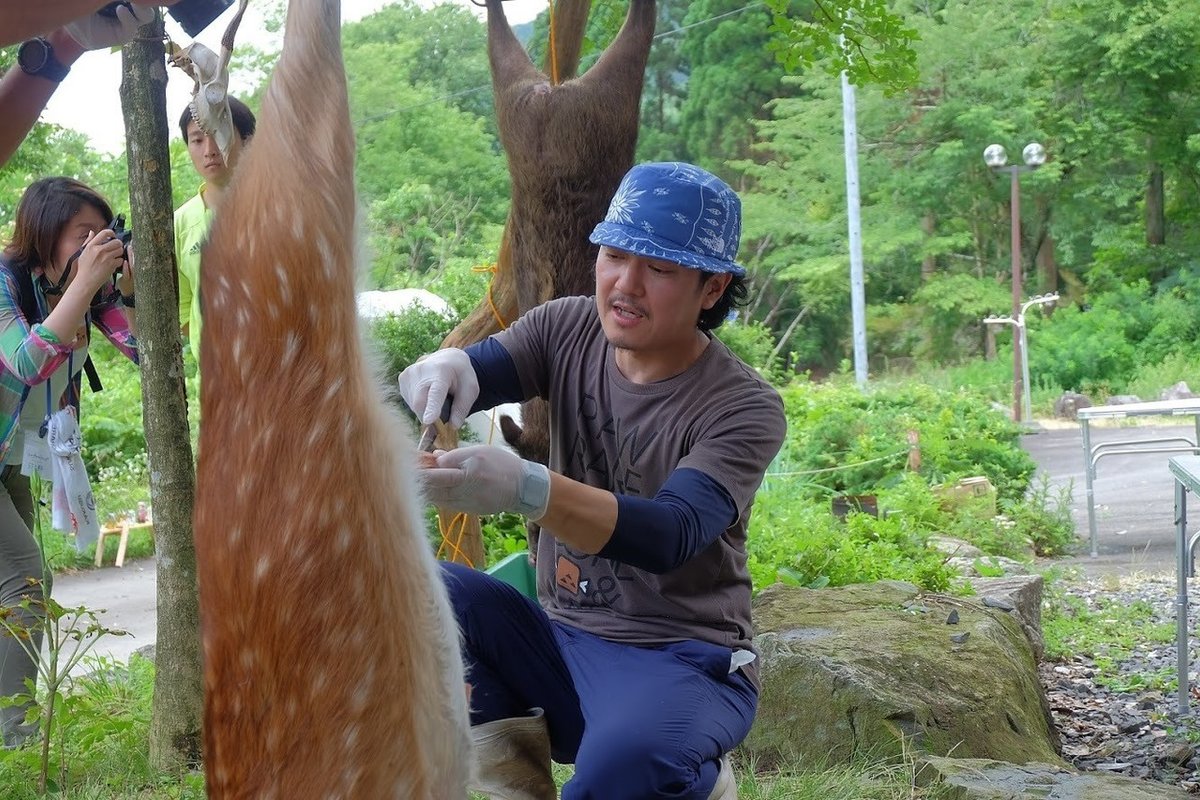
<point>36,57</point>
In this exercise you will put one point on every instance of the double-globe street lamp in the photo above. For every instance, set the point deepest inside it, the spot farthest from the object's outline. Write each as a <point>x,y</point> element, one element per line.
<point>1034,155</point>
<point>1021,338</point>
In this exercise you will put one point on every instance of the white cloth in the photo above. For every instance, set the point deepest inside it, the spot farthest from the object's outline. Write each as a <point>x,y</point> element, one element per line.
<point>74,506</point>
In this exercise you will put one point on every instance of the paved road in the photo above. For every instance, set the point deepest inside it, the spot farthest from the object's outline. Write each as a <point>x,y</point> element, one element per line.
<point>125,599</point>
<point>1134,497</point>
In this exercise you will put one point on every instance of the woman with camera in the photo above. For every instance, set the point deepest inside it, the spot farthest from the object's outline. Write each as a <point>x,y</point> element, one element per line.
<point>64,270</point>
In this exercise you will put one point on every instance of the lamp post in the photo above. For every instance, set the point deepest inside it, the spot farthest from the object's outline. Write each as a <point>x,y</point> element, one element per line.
<point>1021,340</point>
<point>1034,155</point>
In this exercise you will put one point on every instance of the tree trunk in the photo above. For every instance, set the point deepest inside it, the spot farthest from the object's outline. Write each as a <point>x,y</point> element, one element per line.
<point>1156,221</point>
<point>928,262</point>
<point>178,693</point>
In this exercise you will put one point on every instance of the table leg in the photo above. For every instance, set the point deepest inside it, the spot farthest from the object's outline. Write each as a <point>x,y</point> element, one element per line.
<point>1181,600</point>
<point>122,544</point>
<point>1088,476</point>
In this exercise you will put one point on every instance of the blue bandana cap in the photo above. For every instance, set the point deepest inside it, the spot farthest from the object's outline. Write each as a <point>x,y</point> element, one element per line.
<point>675,212</point>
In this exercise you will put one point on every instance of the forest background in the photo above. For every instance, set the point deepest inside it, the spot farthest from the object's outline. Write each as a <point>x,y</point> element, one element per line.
<point>1111,88</point>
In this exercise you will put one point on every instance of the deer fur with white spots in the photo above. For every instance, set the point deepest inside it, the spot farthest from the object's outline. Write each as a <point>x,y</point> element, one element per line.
<point>331,659</point>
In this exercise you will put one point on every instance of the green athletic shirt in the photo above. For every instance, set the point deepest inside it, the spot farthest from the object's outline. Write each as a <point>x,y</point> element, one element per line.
<point>192,221</point>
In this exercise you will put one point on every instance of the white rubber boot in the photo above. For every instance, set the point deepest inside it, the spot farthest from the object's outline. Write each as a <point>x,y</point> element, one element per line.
<point>512,759</point>
<point>726,787</point>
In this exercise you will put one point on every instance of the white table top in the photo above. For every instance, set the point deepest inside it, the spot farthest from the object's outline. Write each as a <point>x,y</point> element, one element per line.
<point>1156,407</point>
<point>1187,470</point>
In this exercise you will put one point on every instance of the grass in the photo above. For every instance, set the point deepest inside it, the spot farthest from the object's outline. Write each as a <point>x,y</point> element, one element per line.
<point>1106,631</point>
<point>102,753</point>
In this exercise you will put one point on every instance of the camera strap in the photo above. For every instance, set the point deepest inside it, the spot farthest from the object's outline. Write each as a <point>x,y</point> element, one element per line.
<point>49,288</point>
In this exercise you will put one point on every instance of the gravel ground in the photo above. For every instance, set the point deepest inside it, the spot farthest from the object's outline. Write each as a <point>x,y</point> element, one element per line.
<point>1132,727</point>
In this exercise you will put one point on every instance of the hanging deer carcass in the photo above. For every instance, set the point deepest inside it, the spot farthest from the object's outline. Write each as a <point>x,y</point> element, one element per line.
<point>331,660</point>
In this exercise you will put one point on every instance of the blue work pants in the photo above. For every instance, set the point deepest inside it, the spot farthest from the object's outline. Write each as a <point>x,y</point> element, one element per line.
<point>637,722</point>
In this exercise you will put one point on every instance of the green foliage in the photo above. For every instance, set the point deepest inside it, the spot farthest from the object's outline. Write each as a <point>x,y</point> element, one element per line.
<point>1150,379</point>
<point>401,339</point>
<point>732,76</point>
<point>114,450</point>
<point>952,307</point>
<point>843,441</point>
<point>109,720</point>
<point>1043,518</point>
<point>503,535</point>
<point>865,38</point>
<point>862,437</point>
<point>800,542</point>
<point>1101,629</point>
<point>69,634</point>
<point>101,750</point>
<point>753,343</point>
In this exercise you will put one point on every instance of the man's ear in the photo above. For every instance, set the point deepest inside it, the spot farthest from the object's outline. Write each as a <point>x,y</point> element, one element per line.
<point>714,287</point>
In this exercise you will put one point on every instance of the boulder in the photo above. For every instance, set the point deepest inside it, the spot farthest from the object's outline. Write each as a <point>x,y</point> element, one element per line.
<point>882,669</point>
<point>1122,400</point>
<point>983,779</point>
<point>1067,406</point>
<point>970,566</point>
<point>951,546</point>
<point>1022,596</point>
<point>1179,391</point>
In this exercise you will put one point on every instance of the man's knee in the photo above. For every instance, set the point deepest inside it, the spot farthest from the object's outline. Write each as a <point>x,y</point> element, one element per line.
<point>463,585</point>
<point>633,766</point>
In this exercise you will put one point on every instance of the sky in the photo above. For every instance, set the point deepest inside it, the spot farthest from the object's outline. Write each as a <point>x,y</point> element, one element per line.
<point>89,98</point>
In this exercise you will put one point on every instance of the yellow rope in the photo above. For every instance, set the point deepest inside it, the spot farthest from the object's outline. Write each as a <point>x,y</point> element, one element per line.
<point>553,49</point>
<point>455,547</point>
<point>491,301</point>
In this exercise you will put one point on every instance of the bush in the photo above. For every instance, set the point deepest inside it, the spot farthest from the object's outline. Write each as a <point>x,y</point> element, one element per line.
<point>1044,519</point>
<point>401,339</point>
<point>754,343</point>
<point>796,540</point>
<point>855,442</point>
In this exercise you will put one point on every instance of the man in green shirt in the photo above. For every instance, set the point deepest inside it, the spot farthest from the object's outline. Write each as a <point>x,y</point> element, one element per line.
<point>193,218</point>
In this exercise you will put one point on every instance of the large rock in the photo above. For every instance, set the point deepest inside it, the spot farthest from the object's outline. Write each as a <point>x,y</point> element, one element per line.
<point>1067,406</point>
<point>1022,595</point>
<point>981,779</point>
<point>1179,391</point>
<point>876,668</point>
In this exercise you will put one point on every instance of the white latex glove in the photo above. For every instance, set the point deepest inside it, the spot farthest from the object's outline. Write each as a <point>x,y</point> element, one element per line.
<point>426,384</point>
<point>96,31</point>
<point>482,479</point>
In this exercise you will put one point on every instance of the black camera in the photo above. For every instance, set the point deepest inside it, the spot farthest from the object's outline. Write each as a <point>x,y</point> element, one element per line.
<point>193,15</point>
<point>124,235</point>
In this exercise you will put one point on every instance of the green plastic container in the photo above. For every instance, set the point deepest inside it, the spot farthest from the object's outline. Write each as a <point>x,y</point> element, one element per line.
<point>516,571</point>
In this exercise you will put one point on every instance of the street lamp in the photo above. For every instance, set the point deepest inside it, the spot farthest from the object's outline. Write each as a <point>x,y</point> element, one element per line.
<point>1021,340</point>
<point>1034,155</point>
